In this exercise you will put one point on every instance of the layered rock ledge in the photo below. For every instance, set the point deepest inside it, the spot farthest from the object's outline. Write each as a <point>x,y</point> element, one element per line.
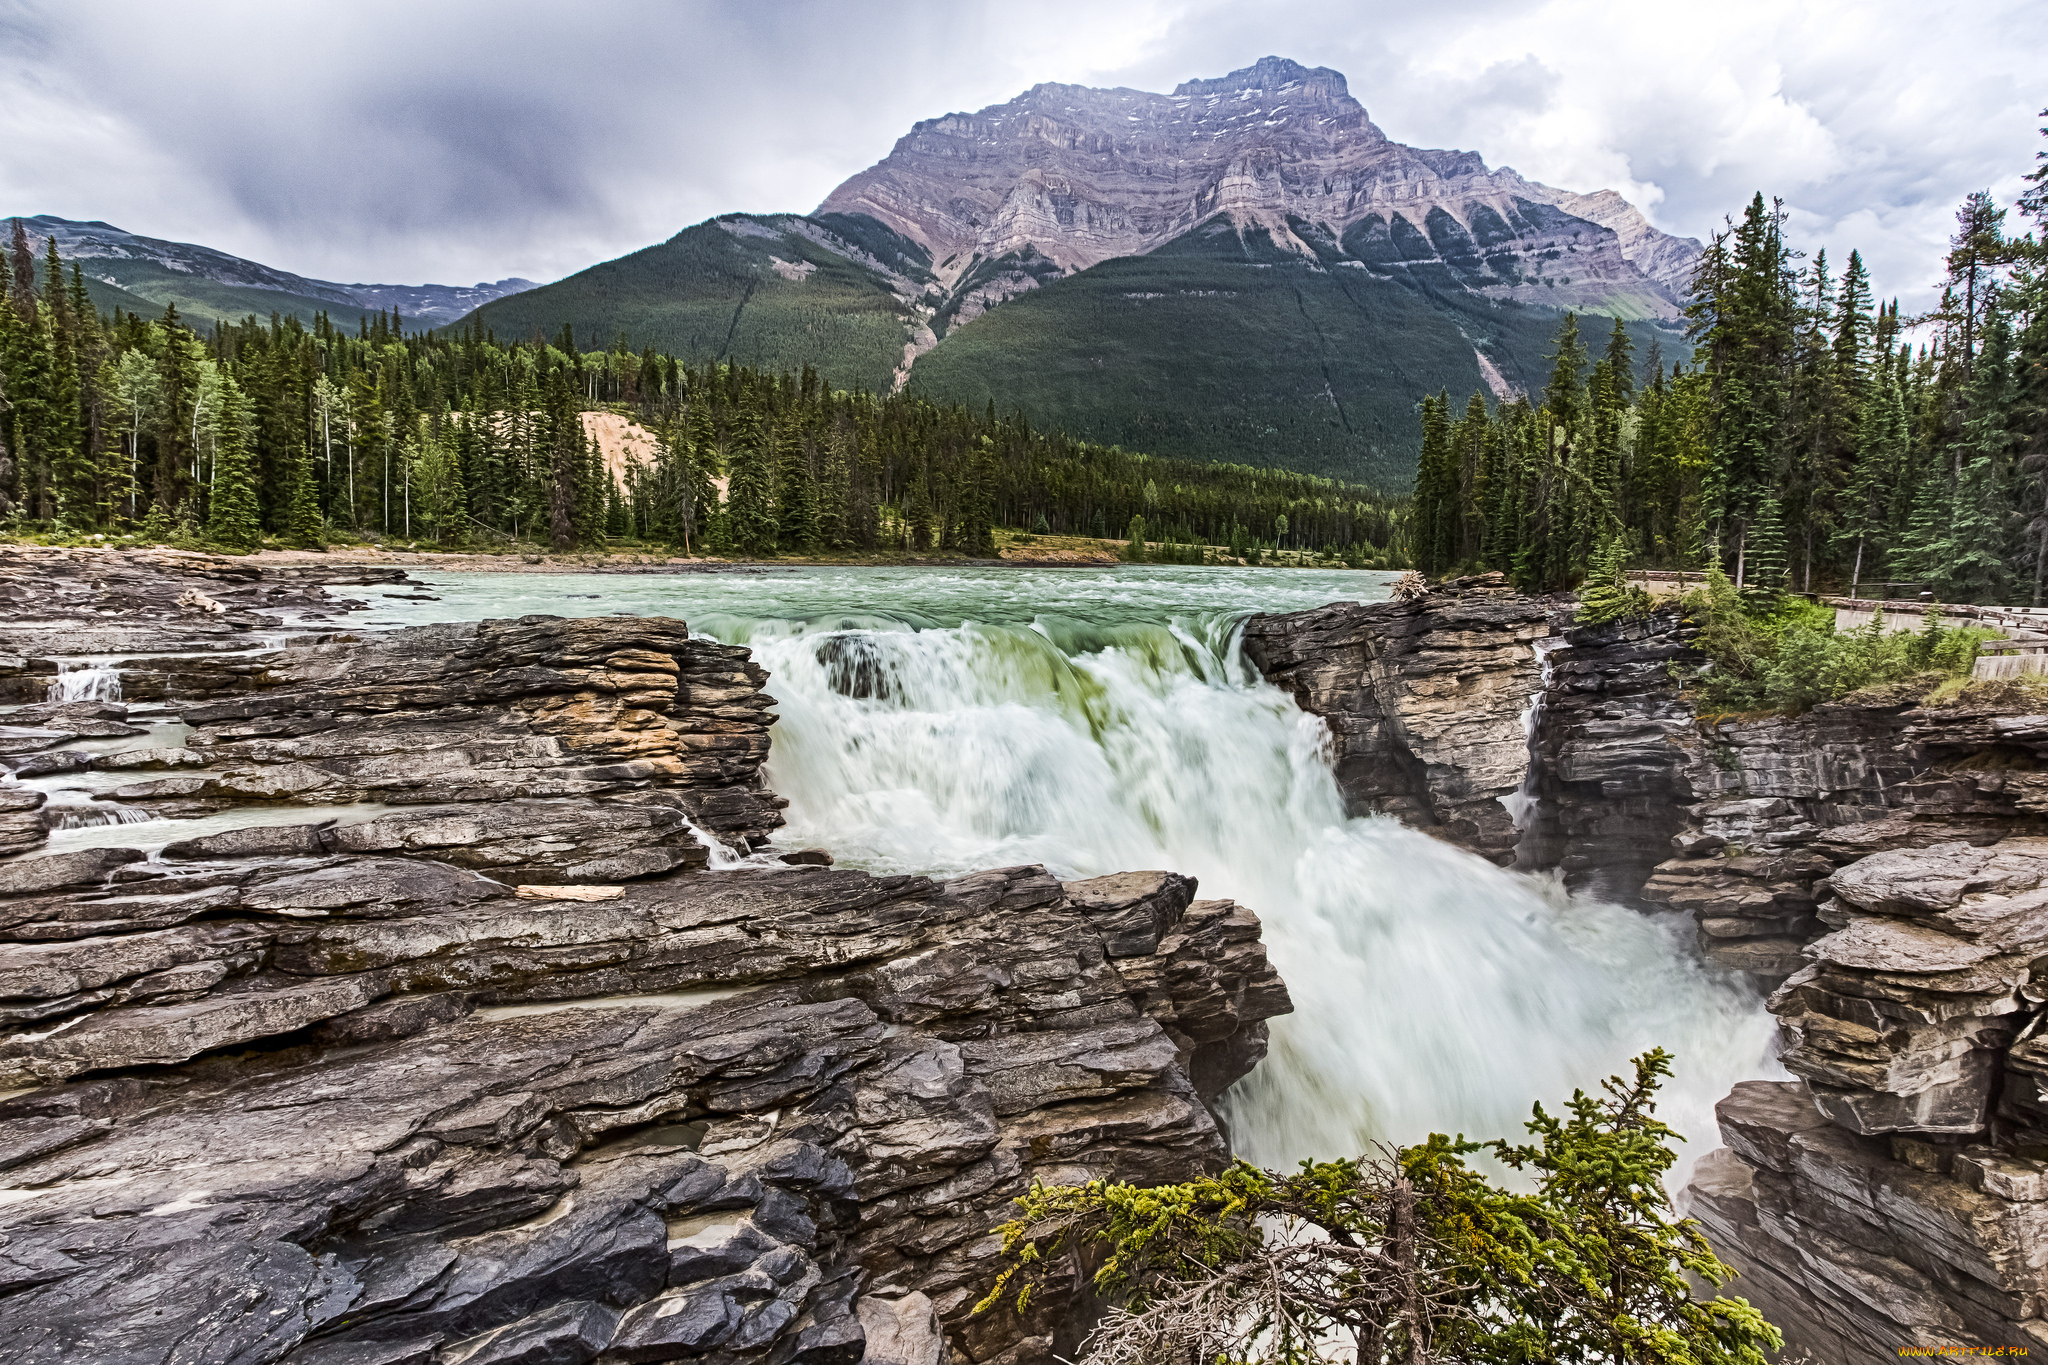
<point>1896,1195</point>
<point>453,1046</point>
<point>1425,701</point>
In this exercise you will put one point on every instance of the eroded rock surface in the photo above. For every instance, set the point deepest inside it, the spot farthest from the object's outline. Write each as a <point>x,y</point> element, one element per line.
<point>1895,1195</point>
<point>381,1108</point>
<point>63,604</point>
<point>1424,700</point>
<point>499,1070</point>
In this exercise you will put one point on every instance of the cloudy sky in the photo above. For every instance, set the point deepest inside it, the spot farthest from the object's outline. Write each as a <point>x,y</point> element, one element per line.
<point>456,140</point>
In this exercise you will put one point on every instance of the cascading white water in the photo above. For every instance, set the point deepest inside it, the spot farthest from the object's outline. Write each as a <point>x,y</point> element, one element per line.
<point>1521,806</point>
<point>1097,721</point>
<point>1433,991</point>
<point>68,808</point>
<point>84,681</point>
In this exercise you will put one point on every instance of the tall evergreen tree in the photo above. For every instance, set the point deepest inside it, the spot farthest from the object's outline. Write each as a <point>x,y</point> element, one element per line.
<point>1435,509</point>
<point>796,489</point>
<point>750,491</point>
<point>1975,565</point>
<point>302,518</point>
<point>232,519</point>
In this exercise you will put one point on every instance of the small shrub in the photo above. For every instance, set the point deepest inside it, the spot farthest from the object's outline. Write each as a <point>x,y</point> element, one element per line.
<point>1784,654</point>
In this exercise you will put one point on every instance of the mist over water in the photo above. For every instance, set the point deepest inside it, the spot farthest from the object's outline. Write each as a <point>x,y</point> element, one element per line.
<point>939,721</point>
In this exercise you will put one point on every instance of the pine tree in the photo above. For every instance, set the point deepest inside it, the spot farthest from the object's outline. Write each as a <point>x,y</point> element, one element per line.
<point>920,512</point>
<point>567,452</point>
<point>835,485</point>
<point>1975,566</point>
<point>23,262</point>
<point>1767,562</point>
<point>976,521</point>
<point>1435,514</point>
<point>302,519</point>
<point>232,518</point>
<point>749,494</point>
<point>796,489</point>
<point>697,473</point>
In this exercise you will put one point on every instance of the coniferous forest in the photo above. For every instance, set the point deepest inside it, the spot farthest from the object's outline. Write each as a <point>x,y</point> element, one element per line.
<point>301,434</point>
<point>1817,440</point>
<point>1810,445</point>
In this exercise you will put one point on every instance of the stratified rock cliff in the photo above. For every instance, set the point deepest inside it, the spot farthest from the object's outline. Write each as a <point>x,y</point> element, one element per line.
<point>1426,701</point>
<point>451,1050</point>
<point>1880,862</point>
<point>1895,1195</point>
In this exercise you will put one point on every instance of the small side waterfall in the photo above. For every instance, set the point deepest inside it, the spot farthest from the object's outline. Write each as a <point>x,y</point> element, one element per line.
<point>73,809</point>
<point>85,680</point>
<point>1522,805</point>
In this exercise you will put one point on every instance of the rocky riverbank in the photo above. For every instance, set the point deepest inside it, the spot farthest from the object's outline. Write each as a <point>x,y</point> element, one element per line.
<point>484,1025</point>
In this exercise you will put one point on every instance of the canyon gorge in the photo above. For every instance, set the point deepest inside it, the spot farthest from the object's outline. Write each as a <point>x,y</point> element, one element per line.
<point>408,971</point>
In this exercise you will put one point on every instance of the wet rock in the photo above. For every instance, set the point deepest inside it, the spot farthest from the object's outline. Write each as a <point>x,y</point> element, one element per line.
<point>64,604</point>
<point>21,827</point>
<point>1611,779</point>
<point>1424,700</point>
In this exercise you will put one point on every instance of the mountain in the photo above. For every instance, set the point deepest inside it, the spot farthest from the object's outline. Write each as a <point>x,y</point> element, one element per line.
<point>143,274</point>
<point>1082,176</point>
<point>842,293</point>
<point>1246,269</point>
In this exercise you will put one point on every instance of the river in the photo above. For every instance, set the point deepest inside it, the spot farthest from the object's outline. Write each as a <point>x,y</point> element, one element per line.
<point>939,720</point>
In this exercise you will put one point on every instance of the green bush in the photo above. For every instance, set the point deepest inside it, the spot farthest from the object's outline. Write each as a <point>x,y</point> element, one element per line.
<point>1414,1256</point>
<point>1784,654</point>
<point>1607,594</point>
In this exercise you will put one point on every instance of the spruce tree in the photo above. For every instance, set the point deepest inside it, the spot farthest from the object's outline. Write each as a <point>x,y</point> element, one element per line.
<point>919,514</point>
<point>1767,562</point>
<point>1435,509</point>
<point>796,489</point>
<point>23,262</point>
<point>703,467</point>
<point>749,494</point>
<point>1975,568</point>
<point>835,485</point>
<point>233,520</point>
<point>977,535</point>
<point>567,452</point>
<point>302,518</point>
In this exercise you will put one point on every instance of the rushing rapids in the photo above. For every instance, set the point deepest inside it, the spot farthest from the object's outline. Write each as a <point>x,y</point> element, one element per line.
<point>942,721</point>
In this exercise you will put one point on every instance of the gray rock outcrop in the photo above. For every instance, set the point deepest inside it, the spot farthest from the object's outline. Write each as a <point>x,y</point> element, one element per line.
<point>1425,701</point>
<point>497,1069</point>
<point>194,613</point>
<point>1895,1196</point>
<point>384,1109</point>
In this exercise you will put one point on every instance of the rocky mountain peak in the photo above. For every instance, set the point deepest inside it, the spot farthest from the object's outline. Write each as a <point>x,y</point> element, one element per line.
<point>1274,78</point>
<point>1075,175</point>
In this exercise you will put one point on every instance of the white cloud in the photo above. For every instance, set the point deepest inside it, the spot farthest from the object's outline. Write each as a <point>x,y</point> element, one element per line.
<point>395,141</point>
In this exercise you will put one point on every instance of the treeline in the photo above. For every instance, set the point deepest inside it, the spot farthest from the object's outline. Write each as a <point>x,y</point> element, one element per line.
<point>119,424</point>
<point>1808,446</point>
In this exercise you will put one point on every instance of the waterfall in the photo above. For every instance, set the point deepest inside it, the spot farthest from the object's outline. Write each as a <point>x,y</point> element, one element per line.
<point>1433,991</point>
<point>1522,805</point>
<point>70,808</point>
<point>96,680</point>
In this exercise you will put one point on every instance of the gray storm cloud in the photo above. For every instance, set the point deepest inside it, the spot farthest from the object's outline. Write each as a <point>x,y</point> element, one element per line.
<point>462,141</point>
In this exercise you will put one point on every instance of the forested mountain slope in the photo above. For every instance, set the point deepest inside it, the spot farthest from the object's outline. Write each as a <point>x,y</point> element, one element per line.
<point>142,274</point>
<point>1247,269</point>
